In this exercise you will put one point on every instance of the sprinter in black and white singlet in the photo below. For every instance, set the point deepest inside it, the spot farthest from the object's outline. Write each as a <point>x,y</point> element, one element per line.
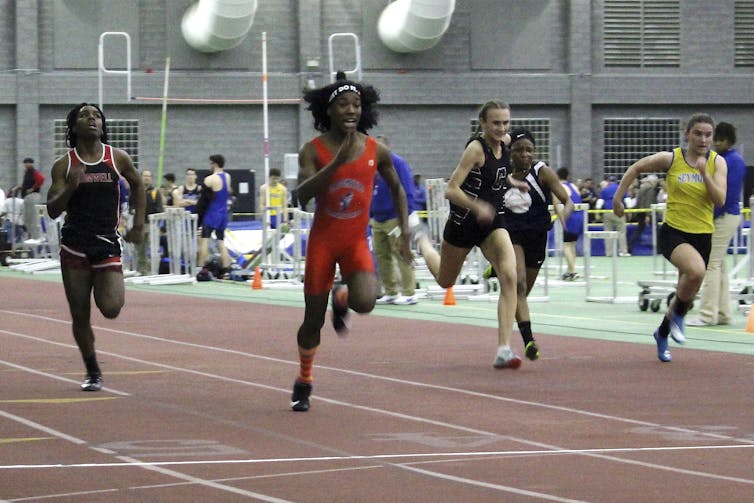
<point>475,191</point>
<point>528,221</point>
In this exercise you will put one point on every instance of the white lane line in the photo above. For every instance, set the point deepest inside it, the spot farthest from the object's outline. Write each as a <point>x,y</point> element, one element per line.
<point>434,422</point>
<point>486,396</point>
<point>128,461</point>
<point>487,485</point>
<point>381,457</point>
<point>53,376</point>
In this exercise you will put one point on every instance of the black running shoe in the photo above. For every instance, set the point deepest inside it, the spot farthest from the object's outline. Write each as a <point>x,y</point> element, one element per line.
<point>300,396</point>
<point>532,351</point>
<point>93,382</point>
<point>339,298</point>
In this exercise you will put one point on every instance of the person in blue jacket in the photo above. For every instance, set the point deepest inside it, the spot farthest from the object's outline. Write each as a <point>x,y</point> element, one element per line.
<point>399,289</point>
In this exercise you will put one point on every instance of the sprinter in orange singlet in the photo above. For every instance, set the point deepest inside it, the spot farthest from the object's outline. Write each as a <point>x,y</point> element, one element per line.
<point>338,168</point>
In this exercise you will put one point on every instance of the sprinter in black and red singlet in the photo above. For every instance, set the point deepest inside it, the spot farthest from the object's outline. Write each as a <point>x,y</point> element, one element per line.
<point>85,185</point>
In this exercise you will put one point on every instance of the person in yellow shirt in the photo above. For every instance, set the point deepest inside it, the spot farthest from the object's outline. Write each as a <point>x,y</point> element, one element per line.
<point>696,182</point>
<point>278,199</point>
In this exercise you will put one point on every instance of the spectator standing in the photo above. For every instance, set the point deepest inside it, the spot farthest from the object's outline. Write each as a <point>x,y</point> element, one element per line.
<point>386,235</point>
<point>611,221</point>
<point>13,214</point>
<point>588,195</point>
<point>30,188</point>
<point>647,196</point>
<point>187,195</point>
<point>167,188</point>
<point>714,306</point>
<point>154,204</point>
<point>420,196</point>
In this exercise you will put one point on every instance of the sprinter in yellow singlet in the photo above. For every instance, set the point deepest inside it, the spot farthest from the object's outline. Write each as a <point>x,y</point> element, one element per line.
<point>696,180</point>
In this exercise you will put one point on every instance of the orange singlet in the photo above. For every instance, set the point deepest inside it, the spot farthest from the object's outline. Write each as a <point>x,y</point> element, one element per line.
<point>338,233</point>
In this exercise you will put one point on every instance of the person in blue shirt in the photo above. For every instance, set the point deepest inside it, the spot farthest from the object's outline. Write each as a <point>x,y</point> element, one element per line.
<point>383,218</point>
<point>574,226</point>
<point>420,195</point>
<point>611,221</point>
<point>714,306</point>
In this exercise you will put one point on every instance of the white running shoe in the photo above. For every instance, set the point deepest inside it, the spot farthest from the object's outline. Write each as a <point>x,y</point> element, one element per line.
<point>697,322</point>
<point>405,300</point>
<point>387,299</point>
<point>507,359</point>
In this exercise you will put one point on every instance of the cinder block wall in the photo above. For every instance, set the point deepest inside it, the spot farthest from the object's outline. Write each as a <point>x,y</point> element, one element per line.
<point>542,56</point>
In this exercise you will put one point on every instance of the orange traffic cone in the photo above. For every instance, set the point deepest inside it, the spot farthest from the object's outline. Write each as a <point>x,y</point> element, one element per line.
<point>450,298</point>
<point>750,320</point>
<point>256,283</point>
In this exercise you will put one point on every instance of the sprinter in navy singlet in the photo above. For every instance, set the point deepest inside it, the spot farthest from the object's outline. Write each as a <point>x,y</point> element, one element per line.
<point>528,220</point>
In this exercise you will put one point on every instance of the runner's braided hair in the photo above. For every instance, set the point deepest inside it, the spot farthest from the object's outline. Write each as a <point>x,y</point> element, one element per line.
<point>70,134</point>
<point>320,99</point>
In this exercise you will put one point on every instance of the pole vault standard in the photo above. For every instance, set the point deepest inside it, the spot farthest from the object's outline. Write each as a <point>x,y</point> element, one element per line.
<point>163,124</point>
<point>266,147</point>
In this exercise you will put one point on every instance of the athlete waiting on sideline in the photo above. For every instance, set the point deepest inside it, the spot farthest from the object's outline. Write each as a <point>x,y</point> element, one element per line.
<point>528,220</point>
<point>338,168</point>
<point>475,191</point>
<point>573,228</point>
<point>85,184</point>
<point>212,208</point>
<point>278,203</point>
<point>696,178</point>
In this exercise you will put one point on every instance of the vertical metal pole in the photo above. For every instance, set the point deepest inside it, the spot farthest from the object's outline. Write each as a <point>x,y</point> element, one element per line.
<point>265,114</point>
<point>164,121</point>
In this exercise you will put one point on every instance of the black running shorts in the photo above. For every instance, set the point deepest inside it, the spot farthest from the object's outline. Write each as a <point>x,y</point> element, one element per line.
<point>671,237</point>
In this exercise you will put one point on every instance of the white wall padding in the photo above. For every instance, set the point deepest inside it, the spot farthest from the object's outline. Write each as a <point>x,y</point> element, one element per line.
<point>414,25</point>
<point>218,25</point>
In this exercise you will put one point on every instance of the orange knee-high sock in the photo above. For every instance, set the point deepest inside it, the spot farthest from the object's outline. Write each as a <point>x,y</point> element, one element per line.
<point>306,359</point>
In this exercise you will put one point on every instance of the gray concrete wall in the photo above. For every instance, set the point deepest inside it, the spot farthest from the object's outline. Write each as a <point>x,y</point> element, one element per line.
<point>545,59</point>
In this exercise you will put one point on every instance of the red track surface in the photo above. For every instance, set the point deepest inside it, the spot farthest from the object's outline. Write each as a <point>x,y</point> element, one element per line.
<point>196,409</point>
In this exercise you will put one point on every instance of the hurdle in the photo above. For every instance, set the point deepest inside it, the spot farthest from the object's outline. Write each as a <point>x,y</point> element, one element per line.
<point>272,255</point>
<point>180,233</point>
<point>656,210</point>
<point>605,235</point>
<point>45,251</point>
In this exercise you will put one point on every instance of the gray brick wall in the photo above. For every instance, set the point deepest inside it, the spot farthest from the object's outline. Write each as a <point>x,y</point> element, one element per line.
<point>427,98</point>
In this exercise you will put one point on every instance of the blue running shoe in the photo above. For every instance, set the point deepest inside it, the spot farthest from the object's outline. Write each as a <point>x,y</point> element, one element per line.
<point>676,328</point>
<point>662,347</point>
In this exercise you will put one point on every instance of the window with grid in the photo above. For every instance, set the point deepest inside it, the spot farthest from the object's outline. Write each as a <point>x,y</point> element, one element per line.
<point>628,140</point>
<point>642,33</point>
<point>540,128</point>
<point>123,134</point>
<point>743,33</point>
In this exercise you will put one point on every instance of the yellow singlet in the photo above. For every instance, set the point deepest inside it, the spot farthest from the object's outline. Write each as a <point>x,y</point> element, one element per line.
<point>690,208</point>
<point>276,198</point>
